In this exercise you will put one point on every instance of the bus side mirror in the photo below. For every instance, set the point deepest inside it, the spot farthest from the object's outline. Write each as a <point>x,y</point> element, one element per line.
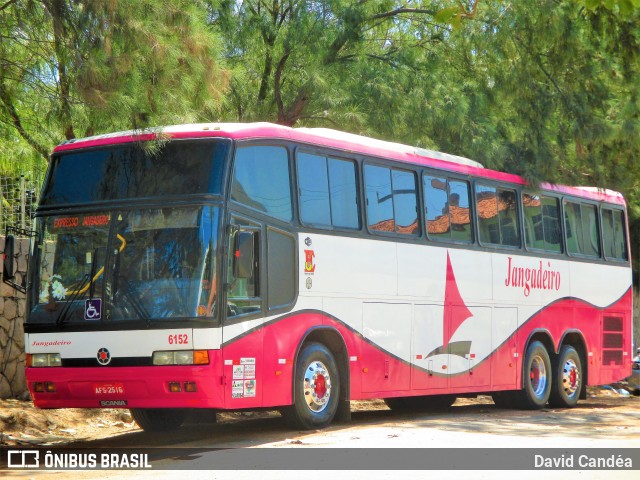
<point>243,255</point>
<point>8,258</point>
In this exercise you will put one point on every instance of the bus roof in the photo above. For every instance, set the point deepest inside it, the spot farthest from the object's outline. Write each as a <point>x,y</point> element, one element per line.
<point>326,137</point>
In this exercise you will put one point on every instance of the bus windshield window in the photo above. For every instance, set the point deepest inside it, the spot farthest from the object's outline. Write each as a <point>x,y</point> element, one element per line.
<point>159,265</point>
<point>72,258</point>
<point>163,268</point>
<point>131,171</point>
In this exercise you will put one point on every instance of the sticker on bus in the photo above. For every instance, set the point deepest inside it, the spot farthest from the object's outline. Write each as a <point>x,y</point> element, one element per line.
<point>249,388</point>
<point>237,389</point>
<point>238,372</point>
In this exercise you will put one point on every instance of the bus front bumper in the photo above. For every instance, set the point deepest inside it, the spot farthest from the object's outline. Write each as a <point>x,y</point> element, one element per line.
<point>126,387</point>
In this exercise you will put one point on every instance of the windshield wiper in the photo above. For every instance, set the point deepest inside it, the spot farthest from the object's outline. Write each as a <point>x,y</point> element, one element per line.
<point>92,274</point>
<point>62,316</point>
<point>130,291</point>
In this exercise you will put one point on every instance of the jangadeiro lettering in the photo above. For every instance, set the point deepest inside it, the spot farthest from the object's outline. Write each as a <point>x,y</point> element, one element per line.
<point>541,278</point>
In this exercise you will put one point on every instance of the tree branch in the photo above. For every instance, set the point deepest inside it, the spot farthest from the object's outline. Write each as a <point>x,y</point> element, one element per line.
<point>56,9</point>
<point>398,11</point>
<point>7,4</point>
<point>10,108</point>
<point>277,84</point>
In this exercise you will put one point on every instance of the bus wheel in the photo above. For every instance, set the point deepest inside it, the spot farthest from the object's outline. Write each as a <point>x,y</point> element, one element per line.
<point>316,385</point>
<point>159,419</point>
<point>567,381</point>
<point>537,379</point>
<point>422,403</point>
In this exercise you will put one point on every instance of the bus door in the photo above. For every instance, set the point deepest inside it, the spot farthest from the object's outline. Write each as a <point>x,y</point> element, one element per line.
<point>260,285</point>
<point>242,342</point>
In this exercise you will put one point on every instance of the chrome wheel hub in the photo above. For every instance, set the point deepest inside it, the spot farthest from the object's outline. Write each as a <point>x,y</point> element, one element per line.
<point>570,377</point>
<point>317,386</point>
<point>538,376</point>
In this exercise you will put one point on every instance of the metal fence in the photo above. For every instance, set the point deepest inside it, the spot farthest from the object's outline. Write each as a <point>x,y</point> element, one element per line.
<point>18,201</point>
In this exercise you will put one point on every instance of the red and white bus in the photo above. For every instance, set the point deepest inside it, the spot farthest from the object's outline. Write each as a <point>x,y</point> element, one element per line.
<point>243,266</point>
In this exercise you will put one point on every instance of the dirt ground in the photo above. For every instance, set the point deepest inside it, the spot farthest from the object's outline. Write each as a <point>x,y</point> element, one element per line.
<point>23,424</point>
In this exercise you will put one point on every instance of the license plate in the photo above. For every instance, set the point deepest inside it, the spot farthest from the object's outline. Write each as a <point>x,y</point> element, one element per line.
<point>108,388</point>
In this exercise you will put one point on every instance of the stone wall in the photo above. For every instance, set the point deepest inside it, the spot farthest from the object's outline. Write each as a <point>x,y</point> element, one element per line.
<point>12,312</point>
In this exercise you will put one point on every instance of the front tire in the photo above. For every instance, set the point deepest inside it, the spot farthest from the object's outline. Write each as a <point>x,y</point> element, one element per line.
<point>316,389</point>
<point>568,378</point>
<point>159,419</point>
<point>537,378</point>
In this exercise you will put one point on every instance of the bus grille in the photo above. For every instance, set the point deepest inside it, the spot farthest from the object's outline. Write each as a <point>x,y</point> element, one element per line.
<point>612,341</point>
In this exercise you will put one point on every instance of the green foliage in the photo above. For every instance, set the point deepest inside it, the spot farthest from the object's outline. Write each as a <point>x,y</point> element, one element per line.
<point>75,68</point>
<point>295,62</point>
<point>622,7</point>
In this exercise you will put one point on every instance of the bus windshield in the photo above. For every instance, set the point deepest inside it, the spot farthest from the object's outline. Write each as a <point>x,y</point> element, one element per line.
<point>148,264</point>
<point>135,170</point>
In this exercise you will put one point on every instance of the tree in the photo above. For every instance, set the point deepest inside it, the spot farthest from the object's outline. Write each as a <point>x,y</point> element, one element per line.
<point>295,61</point>
<point>101,65</point>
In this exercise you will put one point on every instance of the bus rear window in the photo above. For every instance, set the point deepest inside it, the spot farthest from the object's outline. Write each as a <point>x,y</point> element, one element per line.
<point>134,171</point>
<point>614,235</point>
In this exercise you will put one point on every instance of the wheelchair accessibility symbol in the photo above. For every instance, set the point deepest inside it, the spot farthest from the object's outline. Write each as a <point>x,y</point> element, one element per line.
<point>93,309</point>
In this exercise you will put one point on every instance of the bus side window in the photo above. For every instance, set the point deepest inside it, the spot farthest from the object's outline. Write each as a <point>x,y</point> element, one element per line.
<point>405,202</point>
<point>447,209</point>
<point>541,222</point>
<point>379,198</point>
<point>497,216</point>
<point>392,204</point>
<point>591,231</point>
<point>533,225</point>
<point>261,180</point>
<point>572,220</point>
<point>436,207</point>
<point>582,229</point>
<point>551,224</point>
<point>459,211</point>
<point>509,231</point>
<point>328,192</point>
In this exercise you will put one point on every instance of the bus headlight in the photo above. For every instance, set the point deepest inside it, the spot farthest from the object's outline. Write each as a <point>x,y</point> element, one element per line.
<point>37,360</point>
<point>181,357</point>
<point>184,357</point>
<point>163,358</point>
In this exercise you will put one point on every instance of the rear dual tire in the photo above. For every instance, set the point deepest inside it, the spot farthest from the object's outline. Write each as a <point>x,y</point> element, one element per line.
<point>559,383</point>
<point>568,379</point>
